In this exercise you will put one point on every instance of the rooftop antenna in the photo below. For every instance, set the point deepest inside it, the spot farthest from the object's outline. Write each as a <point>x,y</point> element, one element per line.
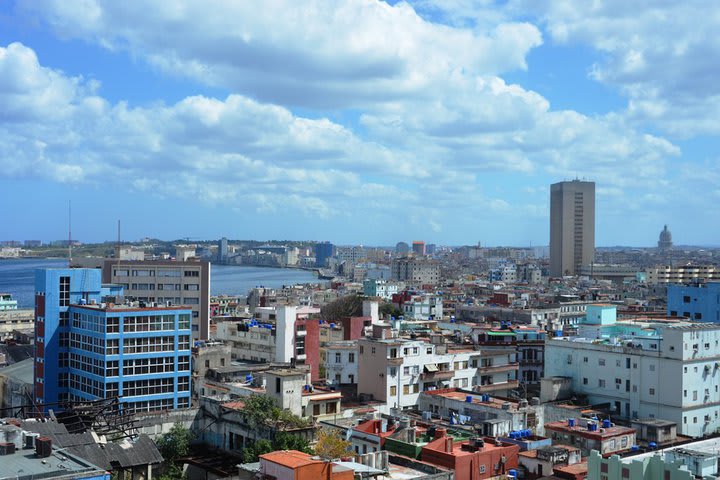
<point>69,233</point>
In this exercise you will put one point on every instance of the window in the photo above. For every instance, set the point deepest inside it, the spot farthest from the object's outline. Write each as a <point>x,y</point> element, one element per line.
<point>569,359</point>
<point>316,409</point>
<point>601,362</point>
<point>330,407</point>
<point>652,391</point>
<point>585,381</point>
<point>64,291</point>
<point>351,357</point>
<point>191,273</point>
<point>694,394</point>
<point>193,288</point>
<point>428,350</point>
<point>627,363</point>
<point>686,299</point>
<point>406,389</point>
<point>585,359</point>
<point>601,383</point>
<point>393,391</point>
<point>652,367</point>
<point>338,357</point>
<point>277,385</point>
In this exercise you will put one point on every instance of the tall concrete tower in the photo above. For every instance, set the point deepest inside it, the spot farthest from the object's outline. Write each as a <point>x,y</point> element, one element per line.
<point>572,226</point>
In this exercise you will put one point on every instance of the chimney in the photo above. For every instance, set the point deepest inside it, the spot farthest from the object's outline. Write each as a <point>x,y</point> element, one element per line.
<point>440,432</point>
<point>43,447</point>
<point>7,448</point>
<point>449,443</point>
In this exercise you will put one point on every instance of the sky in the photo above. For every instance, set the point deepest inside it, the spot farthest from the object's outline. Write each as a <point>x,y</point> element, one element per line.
<point>357,121</point>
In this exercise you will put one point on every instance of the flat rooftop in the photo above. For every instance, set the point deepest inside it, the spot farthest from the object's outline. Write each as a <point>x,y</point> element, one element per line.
<point>454,394</point>
<point>26,465</point>
<point>583,431</point>
<point>709,447</point>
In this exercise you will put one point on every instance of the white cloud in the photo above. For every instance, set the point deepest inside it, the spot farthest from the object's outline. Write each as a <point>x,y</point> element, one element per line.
<point>659,53</point>
<point>311,53</point>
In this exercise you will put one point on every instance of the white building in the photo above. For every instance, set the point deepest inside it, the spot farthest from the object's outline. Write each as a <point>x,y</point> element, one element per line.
<point>340,360</point>
<point>423,307</point>
<point>668,370</point>
<point>681,274</point>
<point>395,370</point>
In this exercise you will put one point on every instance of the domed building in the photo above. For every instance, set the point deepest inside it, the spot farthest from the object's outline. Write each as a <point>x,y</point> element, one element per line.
<point>402,248</point>
<point>665,242</point>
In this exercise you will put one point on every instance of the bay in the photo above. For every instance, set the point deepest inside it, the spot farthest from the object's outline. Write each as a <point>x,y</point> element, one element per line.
<point>17,277</point>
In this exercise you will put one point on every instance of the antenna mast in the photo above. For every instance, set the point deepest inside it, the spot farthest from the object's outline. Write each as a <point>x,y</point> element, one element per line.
<point>69,233</point>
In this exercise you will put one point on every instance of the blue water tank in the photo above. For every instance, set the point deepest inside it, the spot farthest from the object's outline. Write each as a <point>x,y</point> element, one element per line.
<point>468,398</point>
<point>248,378</point>
<point>558,333</point>
<point>606,423</point>
<point>571,422</point>
<point>512,473</point>
<point>652,445</point>
<point>332,325</point>
<point>634,448</point>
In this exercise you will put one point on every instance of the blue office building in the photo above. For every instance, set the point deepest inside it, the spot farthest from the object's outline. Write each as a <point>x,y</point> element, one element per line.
<point>89,345</point>
<point>700,303</point>
<point>323,251</point>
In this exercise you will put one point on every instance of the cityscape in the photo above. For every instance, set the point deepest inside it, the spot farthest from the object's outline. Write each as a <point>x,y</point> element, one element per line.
<point>359,240</point>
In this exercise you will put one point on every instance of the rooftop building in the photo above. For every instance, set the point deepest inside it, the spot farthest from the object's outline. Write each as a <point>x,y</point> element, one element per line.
<point>642,368</point>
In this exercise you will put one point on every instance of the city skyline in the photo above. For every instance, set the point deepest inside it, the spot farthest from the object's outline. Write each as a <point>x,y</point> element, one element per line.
<point>383,122</point>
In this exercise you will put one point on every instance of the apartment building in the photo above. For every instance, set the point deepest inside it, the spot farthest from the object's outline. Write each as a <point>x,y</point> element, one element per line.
<point>492,416</point>
<point>340,361</point>
<point>166,282</point>
<point>419,306</point>
<point>418,271</point>
<point>699,302</point>
<point>89,349</point>
<point>530,355</point>
<point>395,370</point>
<point>682,274</point>
<point>281,334</point>
<point>380,288</point>
<point>643,369</point>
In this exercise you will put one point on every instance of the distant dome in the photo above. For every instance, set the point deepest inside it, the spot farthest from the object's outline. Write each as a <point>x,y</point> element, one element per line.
<point>665,241</point>
<point>402,247</point>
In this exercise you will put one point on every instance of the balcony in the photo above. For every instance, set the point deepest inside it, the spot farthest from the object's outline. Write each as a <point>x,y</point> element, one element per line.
<point>498,368</point>
<point>439,375</point>
<point>492,387</point>
<point>395,361</point>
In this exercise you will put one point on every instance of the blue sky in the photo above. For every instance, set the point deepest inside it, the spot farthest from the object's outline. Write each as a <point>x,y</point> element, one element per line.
<point>357,121</point>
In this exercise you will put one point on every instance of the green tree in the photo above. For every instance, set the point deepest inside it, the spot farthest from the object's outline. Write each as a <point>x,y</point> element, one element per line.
<point>260,410</point>
<point>348,306</point>
<point>330,445</point>
<point>390,309</point>
<point>175,443</point>
<point>252,452</point>
<point>288,441</point>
